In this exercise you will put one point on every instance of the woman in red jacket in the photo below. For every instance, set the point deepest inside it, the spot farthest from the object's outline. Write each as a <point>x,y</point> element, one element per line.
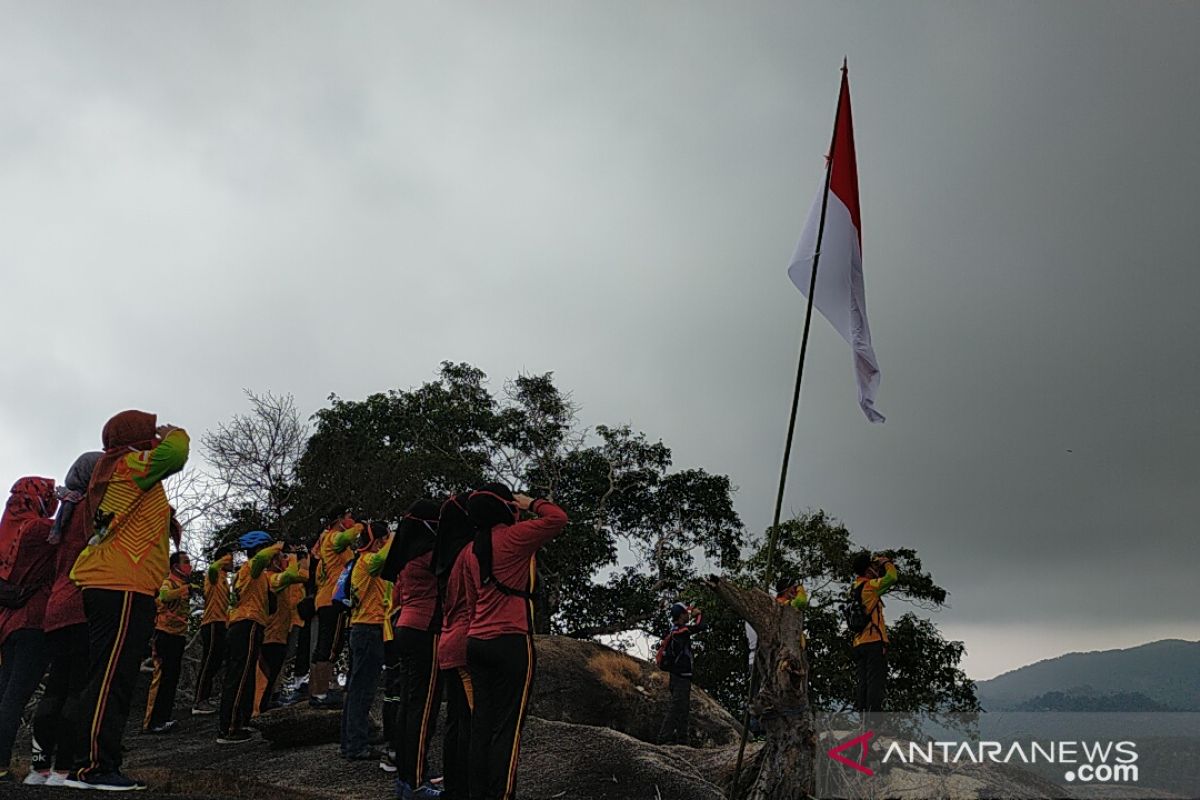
<point>450,565</point>
<point>500,654</point>
<point>55,721</point>
<point>27,569</point>
<point>410,565</point>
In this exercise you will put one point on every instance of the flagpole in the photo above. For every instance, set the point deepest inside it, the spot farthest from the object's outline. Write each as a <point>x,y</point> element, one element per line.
<point>769,575</point>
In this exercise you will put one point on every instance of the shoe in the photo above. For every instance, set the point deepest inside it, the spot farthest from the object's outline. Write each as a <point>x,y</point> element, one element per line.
<point>162,727</point>
<point>328,701</point>
<point>403,790</point>
<point>426,791</point>
<point>148,665</point>
<point>235,737</point>
<point>387,763</point>
<point>203,709</point>
<point>371,754</point>
<point>57,778</point>
<point>36,777</point>
<point>109,782</point>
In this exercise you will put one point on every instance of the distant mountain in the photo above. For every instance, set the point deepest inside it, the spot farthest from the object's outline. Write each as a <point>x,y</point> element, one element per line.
<point>1077,700</point>
<point>1160,675</point>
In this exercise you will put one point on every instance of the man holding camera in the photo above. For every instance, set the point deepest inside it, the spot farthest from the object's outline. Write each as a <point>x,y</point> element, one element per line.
<point>874,576</point>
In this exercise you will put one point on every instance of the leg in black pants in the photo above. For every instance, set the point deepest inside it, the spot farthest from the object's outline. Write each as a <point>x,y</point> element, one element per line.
<point>168,660</point>
<point>271,656</point>
<point>303,650</point>
<point>212,637</point>
<point>456,747</point>
<point>119,626</point>
<point>237,695</point>
<point>393,693</point>
<point>416,721</point>
<point>23,659</point>
<point>871,661</point>
<point>55,719</point>
<point>502,672</point>
<point>675,726</point>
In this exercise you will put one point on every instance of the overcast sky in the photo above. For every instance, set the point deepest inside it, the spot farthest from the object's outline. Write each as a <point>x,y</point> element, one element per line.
<point>316,198</point>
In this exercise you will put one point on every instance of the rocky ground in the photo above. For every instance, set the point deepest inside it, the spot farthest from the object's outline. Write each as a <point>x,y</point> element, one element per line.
<point>593,717</point>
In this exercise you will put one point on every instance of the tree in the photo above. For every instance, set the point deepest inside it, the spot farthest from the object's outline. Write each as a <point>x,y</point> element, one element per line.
<point>379,454</point>
<point>784,768</point>
<point>255,455</point>
<point>923,667</point>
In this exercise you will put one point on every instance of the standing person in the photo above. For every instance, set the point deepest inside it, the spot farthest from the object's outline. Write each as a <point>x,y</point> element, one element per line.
<point>451,558</point>
<point>249,603</point>
<point>410,564</point>
<point>370,601</point>
<point>873,577</point>
<point>335,548</point>
<point>296,594</point>
<point>285,576</point>
<point>393,688</point>
<point>27,570</point>
<point>170,637</point>
<point>500,654</point>
<point>213,630</point>
<point>677,659</point>
<point>306,615</point>
<point>120,572</point>
<point>65,624</point>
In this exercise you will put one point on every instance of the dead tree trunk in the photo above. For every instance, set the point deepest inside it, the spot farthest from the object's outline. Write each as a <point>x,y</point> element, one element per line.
<point>786,767</point>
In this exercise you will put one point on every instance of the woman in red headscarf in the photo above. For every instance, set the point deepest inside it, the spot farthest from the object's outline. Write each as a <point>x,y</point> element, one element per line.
<point>26,573</point>
<point>120,572</point>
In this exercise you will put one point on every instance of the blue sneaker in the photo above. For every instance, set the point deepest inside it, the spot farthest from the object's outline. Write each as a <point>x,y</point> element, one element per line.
<point>427,791</point>
<point>403,790</point>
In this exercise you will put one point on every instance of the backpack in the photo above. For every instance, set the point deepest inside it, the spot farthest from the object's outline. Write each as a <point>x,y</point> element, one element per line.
<point>342,593</point>
<point>660,656</point>
<point>854,613</point>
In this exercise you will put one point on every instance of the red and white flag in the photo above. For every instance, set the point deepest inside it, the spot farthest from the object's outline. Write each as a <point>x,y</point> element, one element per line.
<point>840,295</point>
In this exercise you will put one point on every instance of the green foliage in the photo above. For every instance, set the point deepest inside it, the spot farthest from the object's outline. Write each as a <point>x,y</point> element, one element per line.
<point>640,532</point>
<point>376,456</point>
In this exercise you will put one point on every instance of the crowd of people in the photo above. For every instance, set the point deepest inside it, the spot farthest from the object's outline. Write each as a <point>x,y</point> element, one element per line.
<point>441,607</point>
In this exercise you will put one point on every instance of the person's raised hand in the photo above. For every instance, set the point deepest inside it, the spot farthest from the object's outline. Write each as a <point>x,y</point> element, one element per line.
<point>523,501</point>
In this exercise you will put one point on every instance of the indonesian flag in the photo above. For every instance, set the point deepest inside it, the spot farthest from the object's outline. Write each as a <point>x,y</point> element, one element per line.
<point>840,295</point>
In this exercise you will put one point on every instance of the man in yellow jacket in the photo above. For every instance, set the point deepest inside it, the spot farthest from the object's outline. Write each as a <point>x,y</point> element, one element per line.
<point>212,630</point>
<point>170,637</point>
<point>874,576</point>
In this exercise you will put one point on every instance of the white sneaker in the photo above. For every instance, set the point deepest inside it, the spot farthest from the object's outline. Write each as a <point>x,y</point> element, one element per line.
<point>36,778</point>
<point>57,778</point>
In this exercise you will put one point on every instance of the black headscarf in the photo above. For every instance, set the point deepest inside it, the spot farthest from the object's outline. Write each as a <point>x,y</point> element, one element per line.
<point>415,536</point>
<point>488,506</point>
<point>455,531</point>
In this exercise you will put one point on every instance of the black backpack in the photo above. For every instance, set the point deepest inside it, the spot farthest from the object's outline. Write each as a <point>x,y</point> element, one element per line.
<point>854,613</point>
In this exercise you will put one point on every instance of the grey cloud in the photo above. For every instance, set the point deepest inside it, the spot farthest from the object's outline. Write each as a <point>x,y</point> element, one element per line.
<point>318,200</point>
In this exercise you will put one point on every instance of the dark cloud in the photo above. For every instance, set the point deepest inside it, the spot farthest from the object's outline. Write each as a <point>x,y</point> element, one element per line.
<point>291,197</point>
